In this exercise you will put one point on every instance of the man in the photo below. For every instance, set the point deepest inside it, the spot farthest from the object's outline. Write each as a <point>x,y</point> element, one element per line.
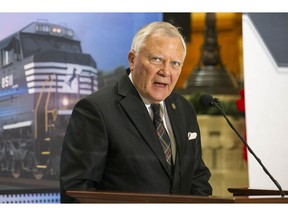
<point>111,143</point>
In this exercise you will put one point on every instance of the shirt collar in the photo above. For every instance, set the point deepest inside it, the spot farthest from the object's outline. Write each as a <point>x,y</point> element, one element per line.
<point>145,101</point>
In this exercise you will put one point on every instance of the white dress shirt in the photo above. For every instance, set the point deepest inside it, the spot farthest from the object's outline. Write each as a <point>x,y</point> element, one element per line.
<point>166,120</point>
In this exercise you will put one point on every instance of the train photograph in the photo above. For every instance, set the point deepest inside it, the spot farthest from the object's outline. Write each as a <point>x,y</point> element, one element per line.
<point>44,71</point>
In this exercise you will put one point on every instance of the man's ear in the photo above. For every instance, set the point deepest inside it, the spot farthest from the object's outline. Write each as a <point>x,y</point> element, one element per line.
<point>131,58</point>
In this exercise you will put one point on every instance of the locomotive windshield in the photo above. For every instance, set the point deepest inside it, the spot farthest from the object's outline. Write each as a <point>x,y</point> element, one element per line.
<point>32,43</point>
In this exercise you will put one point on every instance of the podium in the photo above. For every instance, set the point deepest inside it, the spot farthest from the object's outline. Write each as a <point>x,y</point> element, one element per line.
<point>254,192</point>
<point>119,197</point>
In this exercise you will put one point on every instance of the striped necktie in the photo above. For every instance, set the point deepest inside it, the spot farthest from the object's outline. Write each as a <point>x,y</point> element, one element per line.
<point>162,133</point>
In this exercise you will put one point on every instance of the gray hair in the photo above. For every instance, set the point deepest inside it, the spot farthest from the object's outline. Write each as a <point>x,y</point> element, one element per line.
<point>156,27</point>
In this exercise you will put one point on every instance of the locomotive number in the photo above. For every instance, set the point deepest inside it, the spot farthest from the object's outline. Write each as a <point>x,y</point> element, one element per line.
<point>7,81</point>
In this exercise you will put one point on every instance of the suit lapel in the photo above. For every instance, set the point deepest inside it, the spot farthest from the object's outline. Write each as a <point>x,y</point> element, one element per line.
<point>133,105</point>
<point>174,112</point>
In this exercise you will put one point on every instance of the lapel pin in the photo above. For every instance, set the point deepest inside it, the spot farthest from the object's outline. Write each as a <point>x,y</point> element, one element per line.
<point>173,106</point>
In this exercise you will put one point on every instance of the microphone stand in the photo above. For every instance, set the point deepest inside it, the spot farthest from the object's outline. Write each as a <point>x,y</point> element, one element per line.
<point>215,103</point>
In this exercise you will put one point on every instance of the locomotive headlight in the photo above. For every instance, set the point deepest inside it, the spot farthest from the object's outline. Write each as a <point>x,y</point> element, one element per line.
<point>56,30</point>
<point>65,102</point>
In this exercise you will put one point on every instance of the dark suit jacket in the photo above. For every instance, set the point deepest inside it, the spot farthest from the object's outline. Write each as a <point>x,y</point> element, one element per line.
<point>111,144</point>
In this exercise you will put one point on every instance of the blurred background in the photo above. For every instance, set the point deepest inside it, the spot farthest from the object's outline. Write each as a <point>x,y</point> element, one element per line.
<point>89,52</point>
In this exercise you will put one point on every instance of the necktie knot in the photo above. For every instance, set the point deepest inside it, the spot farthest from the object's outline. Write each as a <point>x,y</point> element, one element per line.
<point>156,112</point>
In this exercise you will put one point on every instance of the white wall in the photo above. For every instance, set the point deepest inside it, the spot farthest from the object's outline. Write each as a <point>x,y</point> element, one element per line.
<point>266,92</point>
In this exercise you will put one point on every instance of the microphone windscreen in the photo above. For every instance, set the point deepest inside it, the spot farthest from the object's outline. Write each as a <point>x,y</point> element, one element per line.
<point>206,100</point>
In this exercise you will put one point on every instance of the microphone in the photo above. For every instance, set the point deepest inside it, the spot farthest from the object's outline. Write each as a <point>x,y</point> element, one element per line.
<point>208,101</point>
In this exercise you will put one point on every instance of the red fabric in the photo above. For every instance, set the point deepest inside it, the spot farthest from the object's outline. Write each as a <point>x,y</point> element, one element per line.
<point>240,103</point>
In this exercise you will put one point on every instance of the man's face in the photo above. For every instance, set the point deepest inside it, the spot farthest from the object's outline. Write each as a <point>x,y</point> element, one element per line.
<point>157,66</point>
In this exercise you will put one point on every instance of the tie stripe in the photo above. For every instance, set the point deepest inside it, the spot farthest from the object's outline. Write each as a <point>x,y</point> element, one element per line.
<point>162,133</point>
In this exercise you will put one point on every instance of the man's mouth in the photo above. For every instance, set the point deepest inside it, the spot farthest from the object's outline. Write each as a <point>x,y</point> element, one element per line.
<point>160,84</point>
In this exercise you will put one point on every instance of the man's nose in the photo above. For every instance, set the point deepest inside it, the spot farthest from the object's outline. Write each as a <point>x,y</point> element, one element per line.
<point>165,69</point>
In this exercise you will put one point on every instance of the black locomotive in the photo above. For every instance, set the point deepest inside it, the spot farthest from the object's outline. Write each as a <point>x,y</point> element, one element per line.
<point>43,73</point>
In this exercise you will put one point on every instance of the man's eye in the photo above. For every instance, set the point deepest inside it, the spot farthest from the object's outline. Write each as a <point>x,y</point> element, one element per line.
<point>175,64</point>
<point>156,60</point>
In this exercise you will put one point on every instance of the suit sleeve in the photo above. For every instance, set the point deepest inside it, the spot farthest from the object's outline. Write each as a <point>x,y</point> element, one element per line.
<point>84,150</point>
